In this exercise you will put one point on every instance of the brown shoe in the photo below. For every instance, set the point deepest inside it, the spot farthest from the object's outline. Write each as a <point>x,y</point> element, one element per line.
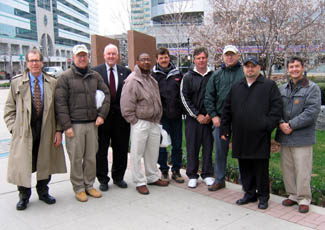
<point>142,189</point>
<point>159,183</point>
<point>176,176</point>
<point>289,203</point>
<point>94,193</point>
<point>82,196</point>
<point>216,187</point>
<point>303,208</point>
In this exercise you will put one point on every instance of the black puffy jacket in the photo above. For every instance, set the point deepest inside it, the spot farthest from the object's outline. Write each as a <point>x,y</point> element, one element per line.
<point>75,97</point>
<point>169,85</point>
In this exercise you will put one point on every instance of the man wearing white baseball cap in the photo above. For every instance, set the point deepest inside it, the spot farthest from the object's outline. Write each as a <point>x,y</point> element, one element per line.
<point>217,89</point>
<point>79,118</point>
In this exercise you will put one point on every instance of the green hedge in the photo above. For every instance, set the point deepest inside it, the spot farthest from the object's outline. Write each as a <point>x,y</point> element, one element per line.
<point>5,85</point>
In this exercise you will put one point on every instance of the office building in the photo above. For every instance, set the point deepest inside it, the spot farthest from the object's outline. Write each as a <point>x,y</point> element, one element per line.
<point>53,26</point>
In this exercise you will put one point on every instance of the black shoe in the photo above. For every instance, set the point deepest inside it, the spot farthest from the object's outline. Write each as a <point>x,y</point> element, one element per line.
<point>121,184</point>
<point>22,204</point>
<point>246,200</point>
<point>103,187</point>
<point>47,198</point>
<point>262,205</point>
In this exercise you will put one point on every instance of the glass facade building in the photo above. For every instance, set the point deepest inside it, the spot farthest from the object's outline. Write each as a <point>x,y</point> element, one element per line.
<point>53,26</point>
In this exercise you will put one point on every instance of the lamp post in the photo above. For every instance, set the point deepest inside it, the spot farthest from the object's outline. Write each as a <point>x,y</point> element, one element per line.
<point>4,62</point>
<point>188,53</point>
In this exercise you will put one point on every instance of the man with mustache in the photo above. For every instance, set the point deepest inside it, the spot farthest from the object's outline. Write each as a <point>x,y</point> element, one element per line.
<point>169,80</point>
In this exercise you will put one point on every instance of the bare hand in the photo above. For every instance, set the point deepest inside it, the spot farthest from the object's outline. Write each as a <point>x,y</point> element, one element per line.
<point>99,121</point>
<point>207,119</point>
<point>285,128</point>
<point>201,119</point>
<point>69,132</point>
<point>216,121</point>
<point>223,137</point>
<point>57,139</point>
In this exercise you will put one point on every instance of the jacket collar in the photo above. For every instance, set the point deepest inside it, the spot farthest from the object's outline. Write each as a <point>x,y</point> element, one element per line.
<point>303,83</point>
<point>173,70</point>
<point>259,79</point>
<point>231,68</point>
<point>193,71</point>
<point>139,75</point>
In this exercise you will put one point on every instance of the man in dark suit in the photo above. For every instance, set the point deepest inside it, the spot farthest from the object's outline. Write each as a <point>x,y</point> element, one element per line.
<point>115,129</point>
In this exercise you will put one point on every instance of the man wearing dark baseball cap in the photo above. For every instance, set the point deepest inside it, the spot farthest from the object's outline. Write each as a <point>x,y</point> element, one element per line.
<point>251,59</point>
<point>252,110</point>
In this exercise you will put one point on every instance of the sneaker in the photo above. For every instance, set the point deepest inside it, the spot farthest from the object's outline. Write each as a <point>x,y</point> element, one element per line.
<point>164,176</point>
<point>209,181</point>
<point>82,196</point>
<point>192,183</point>
<point>94,193</point>
<point>176,176</point>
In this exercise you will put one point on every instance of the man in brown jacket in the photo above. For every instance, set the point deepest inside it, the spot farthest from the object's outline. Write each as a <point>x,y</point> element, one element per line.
<point>79,117</point>
<point>36,137</point>
<point>141,106</point>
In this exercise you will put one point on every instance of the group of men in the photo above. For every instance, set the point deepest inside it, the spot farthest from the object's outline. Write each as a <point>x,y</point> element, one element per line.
<point>235,101</point>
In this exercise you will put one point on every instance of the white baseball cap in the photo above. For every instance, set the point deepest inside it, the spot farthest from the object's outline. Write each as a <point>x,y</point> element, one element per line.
<point>79,48</point>
<point>230,48</point>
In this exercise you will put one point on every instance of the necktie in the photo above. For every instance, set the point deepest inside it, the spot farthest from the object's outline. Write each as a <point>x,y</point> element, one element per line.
<point>112,83</point>
<point>37,101</point>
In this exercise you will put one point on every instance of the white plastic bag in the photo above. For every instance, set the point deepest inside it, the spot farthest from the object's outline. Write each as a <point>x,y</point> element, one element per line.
<point>99,98</point>
<point>164,138</point>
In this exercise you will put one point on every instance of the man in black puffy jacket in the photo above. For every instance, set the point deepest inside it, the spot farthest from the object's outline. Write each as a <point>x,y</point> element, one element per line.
<point>169,79</point>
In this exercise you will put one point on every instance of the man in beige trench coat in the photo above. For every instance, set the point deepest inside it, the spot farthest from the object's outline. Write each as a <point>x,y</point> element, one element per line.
<point>36,137</point>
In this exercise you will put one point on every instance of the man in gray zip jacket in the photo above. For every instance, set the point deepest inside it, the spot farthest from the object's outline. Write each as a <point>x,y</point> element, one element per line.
<point>296,134</point>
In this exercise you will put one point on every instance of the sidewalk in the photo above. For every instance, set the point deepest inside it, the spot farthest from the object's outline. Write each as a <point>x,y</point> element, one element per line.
<point>172,207</point>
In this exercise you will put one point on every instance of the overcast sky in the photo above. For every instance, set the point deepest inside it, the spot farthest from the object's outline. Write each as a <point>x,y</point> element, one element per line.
<point>113,16</point>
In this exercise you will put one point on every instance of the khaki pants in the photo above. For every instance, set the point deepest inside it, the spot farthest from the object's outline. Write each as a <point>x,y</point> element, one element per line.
<point>297,163</point>
<point>145,141</point>
<point>82,149</point>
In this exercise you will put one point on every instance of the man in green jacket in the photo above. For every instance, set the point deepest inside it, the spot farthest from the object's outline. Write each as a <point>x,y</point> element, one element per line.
<point>217,90</point>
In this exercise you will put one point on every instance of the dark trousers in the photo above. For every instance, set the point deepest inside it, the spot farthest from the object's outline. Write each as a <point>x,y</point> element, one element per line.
<point>255,178</point>
<point>114,131</point>
<point>42,188</point>
<point>174,128</point>
<point>42,185</point>
<point>198,135</point>
<point>36,125</point>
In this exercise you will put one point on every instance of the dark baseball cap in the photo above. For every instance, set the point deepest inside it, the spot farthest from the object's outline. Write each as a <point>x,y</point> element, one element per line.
<point>252,59</point>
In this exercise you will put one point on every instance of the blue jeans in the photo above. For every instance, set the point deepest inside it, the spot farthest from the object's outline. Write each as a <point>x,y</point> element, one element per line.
<point>221,149</point>
<point>174,129</point>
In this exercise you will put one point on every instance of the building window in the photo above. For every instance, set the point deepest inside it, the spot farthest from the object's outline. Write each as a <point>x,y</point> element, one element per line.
<point>45,4</point>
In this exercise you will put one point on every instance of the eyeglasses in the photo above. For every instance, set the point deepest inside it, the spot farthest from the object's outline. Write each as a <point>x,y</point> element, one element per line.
<point>144,60</point>
<point>34,61</point>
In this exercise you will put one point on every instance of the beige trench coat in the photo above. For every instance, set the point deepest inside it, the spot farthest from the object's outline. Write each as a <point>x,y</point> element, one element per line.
<point>17,116</point>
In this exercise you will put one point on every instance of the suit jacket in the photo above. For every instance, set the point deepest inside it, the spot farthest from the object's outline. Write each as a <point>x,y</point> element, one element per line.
<point>122,73</point>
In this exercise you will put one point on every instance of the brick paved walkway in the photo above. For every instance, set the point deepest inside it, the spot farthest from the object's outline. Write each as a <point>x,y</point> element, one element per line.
<point>275,209</point>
